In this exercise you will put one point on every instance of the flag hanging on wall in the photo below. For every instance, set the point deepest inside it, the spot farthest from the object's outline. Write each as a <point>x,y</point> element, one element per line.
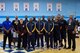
<point>36,6</point>
<point>26,6</point>
<point>16,6</point>
<point>58,7</point>
<point>49,6</point>
<point>2,6</point>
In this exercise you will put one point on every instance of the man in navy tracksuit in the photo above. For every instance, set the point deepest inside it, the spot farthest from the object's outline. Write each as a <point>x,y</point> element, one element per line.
<point>49,30</point>
<point>63,27</point>
<point>26,20</point>
<point>34,20</point>
<point>39,29</point>
<point>21,36</point>
<point>31,33</point>
<point>15,29</point>
<point>57,36</point>
<point>71,28</point>
<point>44,21</point>
<point>7,26</point>
<point>25,32</point>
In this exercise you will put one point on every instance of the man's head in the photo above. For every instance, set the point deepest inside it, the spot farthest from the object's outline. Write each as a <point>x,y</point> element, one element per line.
<point>43,17</point>
<point>62,17</point>
<point>31,19</point>
<point>70,17</point>
<point>56,19</point>
<point>16,17</point>
<point>21,21</point>
<point>7,18</point>
<point>39,19</point>
<point>49,18</point>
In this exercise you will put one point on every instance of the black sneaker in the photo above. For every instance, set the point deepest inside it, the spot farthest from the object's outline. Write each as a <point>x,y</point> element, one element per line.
<point>33,48</point>
<point>3,48</point>
<point>61,45</point>
<point>73,49</point>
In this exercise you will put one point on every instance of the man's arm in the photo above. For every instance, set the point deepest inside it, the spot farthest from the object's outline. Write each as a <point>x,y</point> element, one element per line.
<point>45,29</point>
<point>34,28</point>
<point>52,27</point>
<point>42,28</point>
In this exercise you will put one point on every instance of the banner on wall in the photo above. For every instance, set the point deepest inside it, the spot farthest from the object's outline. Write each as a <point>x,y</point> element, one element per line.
<point>49,6</point>
<point>36,6</point>
<point>26,6</point>
<point>2,6</point>
<point>58,7</point>
<point>16,6</point>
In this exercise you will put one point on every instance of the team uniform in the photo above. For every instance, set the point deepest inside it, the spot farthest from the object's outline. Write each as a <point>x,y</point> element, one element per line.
<point>71,34</point>
<point>63,24</point>
<point>15,31</point>
<point>25,34</point>
<point>39,29</point>
<point>44,21</point>
<point>21,36</point>
<point>49,37</point>
<point>35,32</point>
<point>57,35</point>
<point>7,25</point>
<point>31,34</point>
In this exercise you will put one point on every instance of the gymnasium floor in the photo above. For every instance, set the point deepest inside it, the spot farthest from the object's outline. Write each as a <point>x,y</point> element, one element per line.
<point>7,50</point>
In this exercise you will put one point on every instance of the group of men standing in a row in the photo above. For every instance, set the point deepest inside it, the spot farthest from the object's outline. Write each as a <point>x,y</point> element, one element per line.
<point>32,32</point>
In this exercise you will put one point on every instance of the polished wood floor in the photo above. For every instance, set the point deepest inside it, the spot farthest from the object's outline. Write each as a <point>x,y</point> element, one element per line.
<point>51,50</point>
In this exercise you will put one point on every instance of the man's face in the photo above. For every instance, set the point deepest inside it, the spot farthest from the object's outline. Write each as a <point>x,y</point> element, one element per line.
<point>42,17</point>
<point>71,17</point>
<point>62,17</point>
<point>31,19</point>
<point>56,19</point>
<point>39,19</point>
<point>16,17</point>
<point>21,21</point>
<point>48,18</point>
<point>7,18</point>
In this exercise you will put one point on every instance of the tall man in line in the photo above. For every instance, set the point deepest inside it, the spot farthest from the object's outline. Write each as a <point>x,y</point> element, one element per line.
<point>15,29</point>
<point>26,20</point>
<point>22,37</point>
<point>71,28</point>
<point>49,29</point>
<point>35,32</point>
<point>7,26</point>
<point>31,33</point>
<point>39,29</point>
<point>56,31</point>
<point>44,21</point>
<point>63,27</point>
<point>25,32</point>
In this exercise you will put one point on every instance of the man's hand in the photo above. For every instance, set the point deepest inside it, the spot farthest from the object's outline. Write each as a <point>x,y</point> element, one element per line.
<point>60,27</point>
<point>49,33</point>
<point>22,34</point>
<point>73,32</point>
<point>30,33</point>
<point>7,31</point>
<point>39,33</point>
